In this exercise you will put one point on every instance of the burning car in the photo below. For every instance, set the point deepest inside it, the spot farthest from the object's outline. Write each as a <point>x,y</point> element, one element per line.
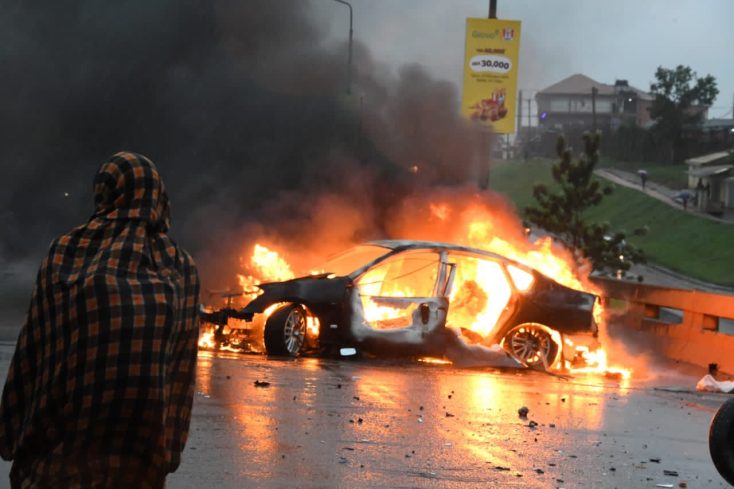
<point>419,298</point>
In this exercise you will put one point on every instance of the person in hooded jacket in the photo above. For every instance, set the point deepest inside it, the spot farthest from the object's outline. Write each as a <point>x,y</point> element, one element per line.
<point>100,387</point>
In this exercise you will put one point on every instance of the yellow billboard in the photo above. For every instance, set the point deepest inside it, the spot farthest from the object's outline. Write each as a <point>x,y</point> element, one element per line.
<point>490,73</point>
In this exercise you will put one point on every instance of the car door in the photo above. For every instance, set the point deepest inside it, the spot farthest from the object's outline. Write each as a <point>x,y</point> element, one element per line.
<point>401,301</point>
<point>480,296</point>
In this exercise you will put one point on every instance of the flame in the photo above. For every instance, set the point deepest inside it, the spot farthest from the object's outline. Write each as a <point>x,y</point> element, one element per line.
<point>472,313</point>
<point>477,227</point>
<point>597,363</point>
<point>265,265</point>
<point>470,306</point>
<point>440,211</point>
<point>206,340</point>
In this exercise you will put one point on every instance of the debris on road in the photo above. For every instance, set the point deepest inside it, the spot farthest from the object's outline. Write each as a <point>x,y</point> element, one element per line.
<point>523,412</point>
<point>709,384</point>
<point>262,383</point>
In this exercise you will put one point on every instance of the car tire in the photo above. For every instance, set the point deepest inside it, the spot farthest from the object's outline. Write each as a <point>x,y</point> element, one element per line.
<point>721,441</point>
<point>532,345</point>
<point>285,331</point>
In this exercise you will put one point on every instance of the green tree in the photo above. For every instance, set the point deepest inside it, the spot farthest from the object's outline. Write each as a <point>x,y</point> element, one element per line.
<point>561,211</point>
<point>681,98</point>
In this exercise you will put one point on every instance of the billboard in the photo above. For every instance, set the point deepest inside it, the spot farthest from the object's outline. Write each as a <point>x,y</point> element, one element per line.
<point>490,73</point>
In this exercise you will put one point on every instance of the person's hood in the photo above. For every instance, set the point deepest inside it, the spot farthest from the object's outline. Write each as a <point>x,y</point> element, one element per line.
<point>128,186</point>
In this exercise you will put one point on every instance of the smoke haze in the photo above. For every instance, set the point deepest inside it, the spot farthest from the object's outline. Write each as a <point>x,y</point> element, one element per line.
<point>241,105</point>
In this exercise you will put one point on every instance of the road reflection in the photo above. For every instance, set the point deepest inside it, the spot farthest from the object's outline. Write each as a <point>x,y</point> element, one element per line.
<point>364,423</point>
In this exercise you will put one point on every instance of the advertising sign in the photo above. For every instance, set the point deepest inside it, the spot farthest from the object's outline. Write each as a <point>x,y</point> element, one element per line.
<point>490,73</point>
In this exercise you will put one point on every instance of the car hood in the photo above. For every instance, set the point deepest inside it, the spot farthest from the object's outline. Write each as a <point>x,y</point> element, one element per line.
<point>323,288</point>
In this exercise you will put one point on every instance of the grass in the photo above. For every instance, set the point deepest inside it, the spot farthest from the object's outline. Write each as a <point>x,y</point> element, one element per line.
<point>673,176</point>
<point>688,244</point>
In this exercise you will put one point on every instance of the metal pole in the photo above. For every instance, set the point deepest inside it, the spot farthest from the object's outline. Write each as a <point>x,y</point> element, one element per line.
<point>519,110</point>
<point>593,108</point>
<point>530,121</point>
<point>484,183</point>
<point>349,65</point>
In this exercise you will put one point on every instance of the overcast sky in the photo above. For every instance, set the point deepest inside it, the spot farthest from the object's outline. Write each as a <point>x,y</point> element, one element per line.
<point>606,40</point>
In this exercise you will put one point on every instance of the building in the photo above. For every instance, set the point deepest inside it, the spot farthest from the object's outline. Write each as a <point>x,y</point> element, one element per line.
<point>718,130</point>
<point>579,103</point>
<point>711,176</point>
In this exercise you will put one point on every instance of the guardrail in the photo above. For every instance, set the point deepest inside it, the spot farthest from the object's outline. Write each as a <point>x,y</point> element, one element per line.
<point>685,325</point>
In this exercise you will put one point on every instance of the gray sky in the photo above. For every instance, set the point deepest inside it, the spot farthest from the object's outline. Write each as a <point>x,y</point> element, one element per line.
<point>606,40</point>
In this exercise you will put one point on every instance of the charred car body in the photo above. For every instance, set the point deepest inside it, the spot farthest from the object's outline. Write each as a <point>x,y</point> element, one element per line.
<point>413,298</point>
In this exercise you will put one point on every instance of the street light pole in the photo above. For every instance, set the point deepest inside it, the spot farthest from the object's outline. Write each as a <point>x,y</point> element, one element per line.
<point>349,65</point>
<point>492,9</point>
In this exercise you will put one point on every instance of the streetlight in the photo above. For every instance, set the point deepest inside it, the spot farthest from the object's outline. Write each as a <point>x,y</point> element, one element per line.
<point>349,66</point>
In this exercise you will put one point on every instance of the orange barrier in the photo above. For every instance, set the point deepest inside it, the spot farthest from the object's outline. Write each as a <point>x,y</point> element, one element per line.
<point>685,325</point>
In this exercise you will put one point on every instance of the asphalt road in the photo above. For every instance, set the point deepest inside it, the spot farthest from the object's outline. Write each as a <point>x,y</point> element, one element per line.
<point>405,424</point>
<point>381,424</point>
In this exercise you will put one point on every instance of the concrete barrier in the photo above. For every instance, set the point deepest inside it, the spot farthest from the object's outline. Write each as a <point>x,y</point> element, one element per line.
<point>685,325</point>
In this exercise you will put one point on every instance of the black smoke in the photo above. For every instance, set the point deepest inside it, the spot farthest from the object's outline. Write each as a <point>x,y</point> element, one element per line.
<point>241,104</point>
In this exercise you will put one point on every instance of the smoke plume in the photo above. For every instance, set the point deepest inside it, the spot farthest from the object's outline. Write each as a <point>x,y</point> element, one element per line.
<point>242,106</point>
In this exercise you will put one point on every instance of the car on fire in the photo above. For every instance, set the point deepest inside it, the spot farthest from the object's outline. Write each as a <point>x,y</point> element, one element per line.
<point>418,298</point>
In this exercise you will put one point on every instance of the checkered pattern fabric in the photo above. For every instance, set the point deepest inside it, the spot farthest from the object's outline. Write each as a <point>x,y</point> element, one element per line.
<point>100,388</point>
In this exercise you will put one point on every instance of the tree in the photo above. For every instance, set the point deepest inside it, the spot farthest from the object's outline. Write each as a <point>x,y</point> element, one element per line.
<point>681,98</point>
<point>561,212</point>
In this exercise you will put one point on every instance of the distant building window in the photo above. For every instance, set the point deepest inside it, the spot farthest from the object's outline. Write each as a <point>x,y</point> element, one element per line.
<point>603,106</point>
<point>559,104</point>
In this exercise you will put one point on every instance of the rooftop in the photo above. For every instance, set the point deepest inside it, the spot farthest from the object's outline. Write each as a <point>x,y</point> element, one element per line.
<point>579,83</point>
<point>710,171</point>
<point>707,159</point>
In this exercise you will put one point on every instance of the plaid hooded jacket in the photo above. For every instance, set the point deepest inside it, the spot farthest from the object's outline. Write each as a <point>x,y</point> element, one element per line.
<point>100,388</point>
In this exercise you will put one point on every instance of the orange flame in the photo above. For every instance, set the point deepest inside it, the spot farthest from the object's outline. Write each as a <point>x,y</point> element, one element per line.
<point>471,224</point>
<point>265,265</point>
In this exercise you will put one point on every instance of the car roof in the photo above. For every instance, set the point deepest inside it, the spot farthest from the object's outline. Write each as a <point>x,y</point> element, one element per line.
<point>407,244</point>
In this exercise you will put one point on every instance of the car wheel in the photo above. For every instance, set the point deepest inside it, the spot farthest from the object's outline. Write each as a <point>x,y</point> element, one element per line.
<point>285,331</point>
<point>721,441</point>
<point>532,345</point>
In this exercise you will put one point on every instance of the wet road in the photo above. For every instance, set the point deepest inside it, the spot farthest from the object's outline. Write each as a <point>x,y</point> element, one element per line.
<point>403,424</point>
<point>378,424</point>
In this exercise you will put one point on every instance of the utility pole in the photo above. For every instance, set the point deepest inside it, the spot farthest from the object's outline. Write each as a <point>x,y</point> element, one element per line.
<point>519,110</point>
<point>349,62</point>
<point>492,9</point>
<point>530,122</point>
<point>530,125</point>
<point>594,90</point>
